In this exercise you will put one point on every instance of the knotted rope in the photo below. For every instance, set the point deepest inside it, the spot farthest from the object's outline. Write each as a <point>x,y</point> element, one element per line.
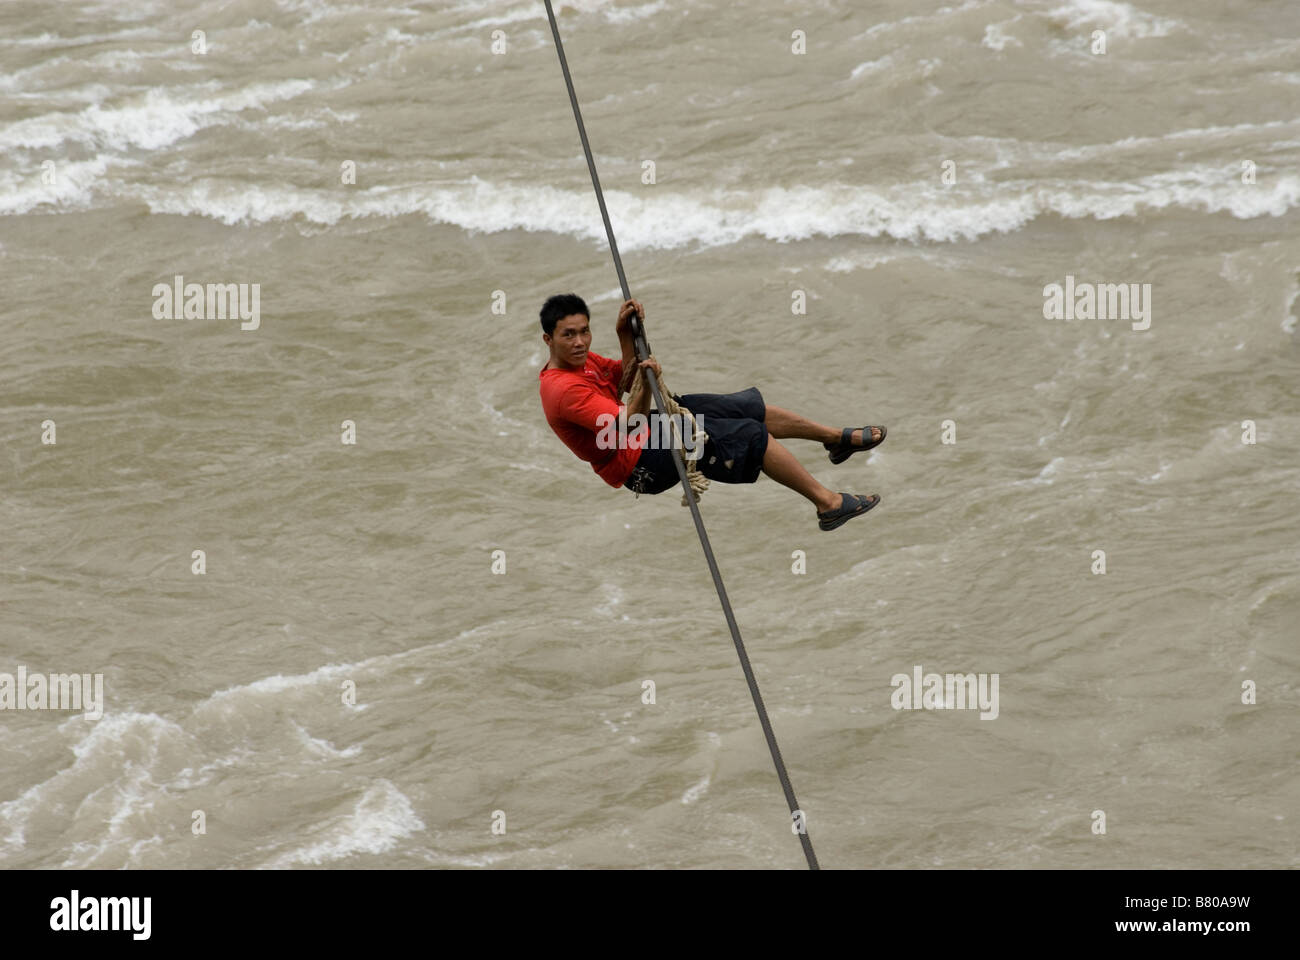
<point>698,481</point>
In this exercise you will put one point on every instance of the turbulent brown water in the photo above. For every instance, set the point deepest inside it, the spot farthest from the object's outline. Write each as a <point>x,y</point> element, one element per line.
<point>920,175</point>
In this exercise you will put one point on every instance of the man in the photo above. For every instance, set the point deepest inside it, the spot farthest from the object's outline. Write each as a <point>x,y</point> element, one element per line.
<point>580,395</point>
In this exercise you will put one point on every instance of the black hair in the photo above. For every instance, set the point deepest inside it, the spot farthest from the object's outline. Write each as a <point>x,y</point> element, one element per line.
<point>560,306</point>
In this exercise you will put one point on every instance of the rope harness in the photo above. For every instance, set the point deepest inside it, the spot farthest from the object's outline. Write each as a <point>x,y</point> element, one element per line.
<point>697,481</point>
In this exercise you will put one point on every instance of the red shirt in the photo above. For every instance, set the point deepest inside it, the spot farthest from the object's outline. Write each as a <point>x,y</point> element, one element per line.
<point>574,399</point>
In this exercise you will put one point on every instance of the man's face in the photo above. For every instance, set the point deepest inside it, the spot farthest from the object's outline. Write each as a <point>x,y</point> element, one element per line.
<point>570,341</point>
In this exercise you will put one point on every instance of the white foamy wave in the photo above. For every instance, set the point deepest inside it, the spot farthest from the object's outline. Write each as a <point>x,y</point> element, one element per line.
<point>155,119</point>
<point>1247,133</point>
<point>534,12</point>
<point>1117,19</point>
<point>614,293</point>
<point>17,79</point>
<point>694,793</point>
<point>1209,191</point>
<point>940,14</point>
<point>381,818</point>
<point>665,222</point>
<point>631,14</point>
<point>915,211</point>
<point>236,698</point>
<point>996,39</point>
<point>872,66</point>
<point>314,120</point>
<point>1291,313</point>
<point>232,203</point>
<point>323,748</point>
<point>858,261</point>
<point>239,698</point>
<point>119,61</point>
<point>121,750</point>
<point>324,9</point>
<point>55,40</point>
<point>1045,476</point>
<point>73,187</point>
<point>68,96</point>
<point>522,13</point>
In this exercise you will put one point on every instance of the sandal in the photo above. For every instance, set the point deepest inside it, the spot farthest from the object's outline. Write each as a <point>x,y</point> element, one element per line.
<point>853,506</point>
<point>839,452</point>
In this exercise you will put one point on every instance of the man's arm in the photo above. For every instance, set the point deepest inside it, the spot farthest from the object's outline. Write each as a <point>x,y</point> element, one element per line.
<point>639,401</point>
<point>624,329</point>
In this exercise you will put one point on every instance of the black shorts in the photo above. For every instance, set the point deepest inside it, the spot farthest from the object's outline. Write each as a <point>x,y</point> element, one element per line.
<point>735,448</point>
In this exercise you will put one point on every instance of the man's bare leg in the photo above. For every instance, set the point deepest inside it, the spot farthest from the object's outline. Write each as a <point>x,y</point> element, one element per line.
<point>784,424</point>
<point>782,466</point>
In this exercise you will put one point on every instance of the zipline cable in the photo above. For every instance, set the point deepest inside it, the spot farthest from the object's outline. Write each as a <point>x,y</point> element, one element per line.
<point>643,351</point>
